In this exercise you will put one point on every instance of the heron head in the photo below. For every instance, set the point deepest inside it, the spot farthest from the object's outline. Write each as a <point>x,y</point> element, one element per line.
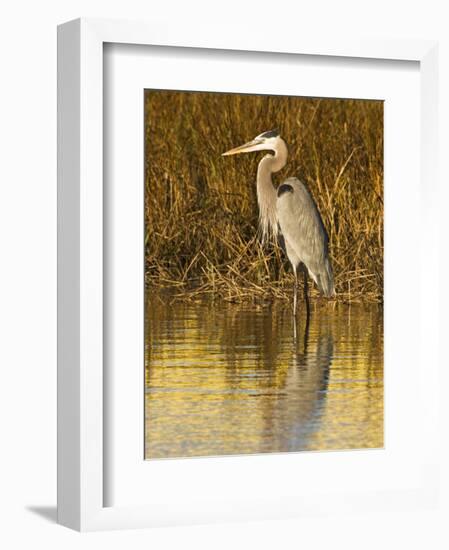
<point>263,142</point>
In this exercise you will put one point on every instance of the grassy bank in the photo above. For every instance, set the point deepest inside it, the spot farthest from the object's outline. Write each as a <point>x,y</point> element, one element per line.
<point>201,232</point>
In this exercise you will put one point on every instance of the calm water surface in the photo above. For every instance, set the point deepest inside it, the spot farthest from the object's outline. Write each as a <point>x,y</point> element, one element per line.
<point>232,379</point>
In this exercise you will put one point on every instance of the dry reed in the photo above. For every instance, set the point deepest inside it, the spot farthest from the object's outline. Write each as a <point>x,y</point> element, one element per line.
<point>201,233</point>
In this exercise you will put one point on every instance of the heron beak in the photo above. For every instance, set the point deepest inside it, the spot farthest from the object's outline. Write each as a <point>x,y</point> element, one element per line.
<point>246,148</point>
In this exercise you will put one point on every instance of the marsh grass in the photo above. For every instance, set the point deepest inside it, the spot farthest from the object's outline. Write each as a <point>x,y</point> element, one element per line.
<point>201,230</point>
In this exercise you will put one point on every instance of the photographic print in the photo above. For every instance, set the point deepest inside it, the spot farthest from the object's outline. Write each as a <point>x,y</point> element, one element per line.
<point>263,274</point>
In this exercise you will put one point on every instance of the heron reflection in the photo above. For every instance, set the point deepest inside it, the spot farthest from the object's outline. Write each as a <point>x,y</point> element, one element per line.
<point>308,380</point>
<point>232,379</point>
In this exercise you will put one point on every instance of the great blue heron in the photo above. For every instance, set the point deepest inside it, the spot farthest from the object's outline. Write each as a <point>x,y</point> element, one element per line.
<point>291,211</point>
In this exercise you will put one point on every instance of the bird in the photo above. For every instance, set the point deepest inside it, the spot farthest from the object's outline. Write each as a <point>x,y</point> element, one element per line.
<point>288,213</point>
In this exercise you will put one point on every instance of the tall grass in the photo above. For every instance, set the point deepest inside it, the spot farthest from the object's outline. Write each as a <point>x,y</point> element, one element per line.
<point>201,232</point>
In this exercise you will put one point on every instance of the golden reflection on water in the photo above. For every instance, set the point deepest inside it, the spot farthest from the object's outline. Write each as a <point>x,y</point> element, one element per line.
<point>230,379</point>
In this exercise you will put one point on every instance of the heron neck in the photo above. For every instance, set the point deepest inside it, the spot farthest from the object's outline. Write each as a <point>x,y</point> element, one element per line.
<point>274,163</point>
<point>266,195</point>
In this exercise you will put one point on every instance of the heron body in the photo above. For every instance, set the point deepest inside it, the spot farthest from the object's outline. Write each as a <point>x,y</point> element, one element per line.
<point>291,211</point>
<point>306,239</point>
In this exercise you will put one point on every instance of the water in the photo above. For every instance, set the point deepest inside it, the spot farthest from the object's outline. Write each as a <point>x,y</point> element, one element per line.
<point>226,379</point>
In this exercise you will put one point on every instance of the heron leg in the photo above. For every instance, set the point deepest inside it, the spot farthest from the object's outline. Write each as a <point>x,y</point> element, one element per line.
<point>295,290</point>
<point>306,291</point>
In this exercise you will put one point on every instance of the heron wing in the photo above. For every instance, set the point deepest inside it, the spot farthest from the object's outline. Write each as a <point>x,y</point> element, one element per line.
<point>304,232</point>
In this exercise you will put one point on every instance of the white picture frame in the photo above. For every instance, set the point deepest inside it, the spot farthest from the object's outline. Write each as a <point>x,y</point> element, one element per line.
<point>81,407</point>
